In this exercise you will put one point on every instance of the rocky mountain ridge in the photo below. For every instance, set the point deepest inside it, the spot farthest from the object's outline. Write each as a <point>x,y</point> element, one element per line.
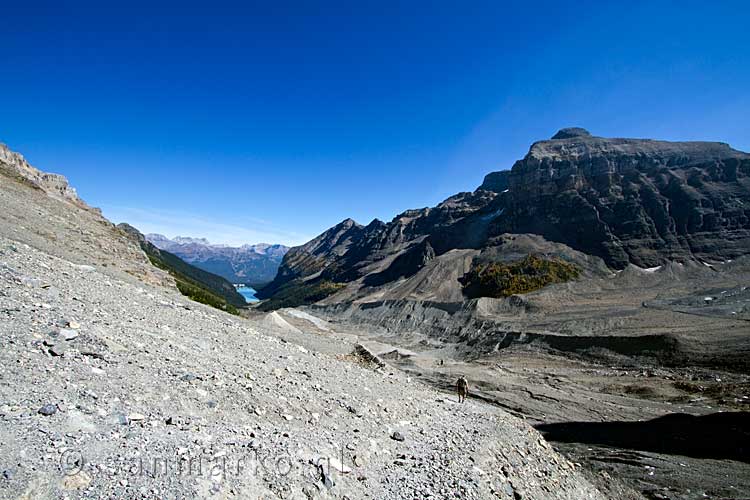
<point>636,201</point>
<point>625,201</point>
<point>60,215</point>
<point>54,185</point>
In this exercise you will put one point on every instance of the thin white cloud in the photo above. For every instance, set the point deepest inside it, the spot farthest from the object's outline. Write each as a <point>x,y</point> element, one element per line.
<point>171,224</point>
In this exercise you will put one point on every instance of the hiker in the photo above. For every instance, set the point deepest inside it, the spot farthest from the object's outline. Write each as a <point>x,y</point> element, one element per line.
<point>462,388</point>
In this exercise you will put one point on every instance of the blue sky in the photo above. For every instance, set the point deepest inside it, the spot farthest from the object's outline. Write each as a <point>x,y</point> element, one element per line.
<point>272,121</point>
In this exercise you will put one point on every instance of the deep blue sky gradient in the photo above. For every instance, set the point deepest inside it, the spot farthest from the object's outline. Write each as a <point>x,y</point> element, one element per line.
<point>273,121</point>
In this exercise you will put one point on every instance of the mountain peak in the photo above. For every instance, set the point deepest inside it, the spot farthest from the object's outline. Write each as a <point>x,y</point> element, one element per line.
<point>347,223</point>
<point>571,132</point>
<point>243,264</point>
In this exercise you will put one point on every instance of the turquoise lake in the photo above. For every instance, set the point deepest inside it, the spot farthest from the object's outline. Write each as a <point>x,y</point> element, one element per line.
<point>248,293</point>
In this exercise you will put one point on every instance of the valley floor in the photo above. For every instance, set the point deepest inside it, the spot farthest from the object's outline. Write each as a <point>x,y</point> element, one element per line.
<point>677,433</point>
<point>113,389</point>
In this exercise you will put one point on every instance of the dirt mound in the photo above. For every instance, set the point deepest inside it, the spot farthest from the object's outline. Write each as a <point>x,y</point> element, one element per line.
<point>274,321</point>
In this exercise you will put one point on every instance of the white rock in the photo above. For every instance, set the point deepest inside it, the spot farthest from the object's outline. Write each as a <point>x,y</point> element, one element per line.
<point>333,463</point>
<point>68,334</point>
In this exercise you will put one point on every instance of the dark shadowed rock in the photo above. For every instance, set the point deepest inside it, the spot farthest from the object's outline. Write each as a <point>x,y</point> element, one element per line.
<point>632,200</point>
<point>47,410</point>
<point>326,479</point>
<point>496,181</point>
<point>571,132</point>
<point>57,349</point>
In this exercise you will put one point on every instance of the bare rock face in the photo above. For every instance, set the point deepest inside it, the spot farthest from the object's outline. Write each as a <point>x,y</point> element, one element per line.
<point>571,132</point>
<point>315,255</point>
<point>400,248</point>
<point>54,185</point>
<point>496,181</point>
<point>636,201</point>
<point>632,200</point>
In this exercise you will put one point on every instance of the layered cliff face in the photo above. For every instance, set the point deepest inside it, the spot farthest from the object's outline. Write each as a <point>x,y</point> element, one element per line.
<point>632,200</point>
<point>635,201</point>
<point>54,185</point>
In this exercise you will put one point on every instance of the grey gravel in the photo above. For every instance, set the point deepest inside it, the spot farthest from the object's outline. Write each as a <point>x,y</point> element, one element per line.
<point>132,389</point>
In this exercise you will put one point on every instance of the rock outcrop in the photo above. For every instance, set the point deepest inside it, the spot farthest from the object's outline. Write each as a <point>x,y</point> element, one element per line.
<point>54,185</point>
<point>634,201</point>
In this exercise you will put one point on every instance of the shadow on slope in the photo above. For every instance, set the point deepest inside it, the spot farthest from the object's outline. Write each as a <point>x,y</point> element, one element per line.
<point>717,435</point>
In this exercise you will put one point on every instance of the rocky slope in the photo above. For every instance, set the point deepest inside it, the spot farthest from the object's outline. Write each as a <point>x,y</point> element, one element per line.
<point>596,384</point>
<point>42,210</point>
<point>625,201</point>
<point>114,386</point>
<point>107,388</point>
<point>248,264</point>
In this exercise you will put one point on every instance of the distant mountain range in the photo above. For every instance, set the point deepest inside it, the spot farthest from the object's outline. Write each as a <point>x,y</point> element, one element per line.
<point>198,284</point>
<point>254,265</point>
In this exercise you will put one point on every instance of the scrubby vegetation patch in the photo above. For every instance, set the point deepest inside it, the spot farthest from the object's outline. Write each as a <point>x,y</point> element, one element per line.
<point>503,279</point>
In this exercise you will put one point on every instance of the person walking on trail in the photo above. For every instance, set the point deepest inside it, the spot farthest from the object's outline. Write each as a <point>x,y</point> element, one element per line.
<point>462,388</point>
